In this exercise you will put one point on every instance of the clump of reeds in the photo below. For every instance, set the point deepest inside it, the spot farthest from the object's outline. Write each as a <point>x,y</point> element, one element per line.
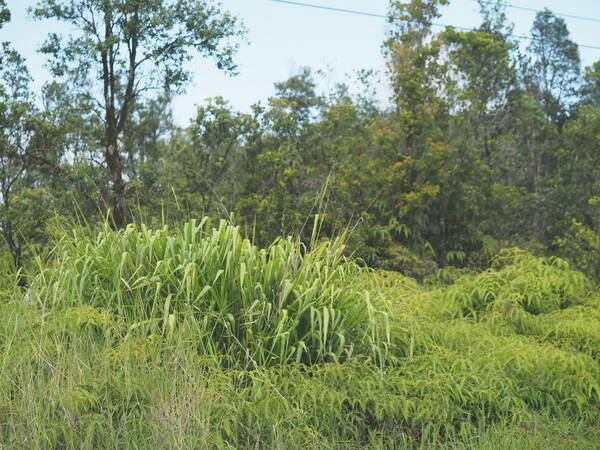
<point>232,300</point>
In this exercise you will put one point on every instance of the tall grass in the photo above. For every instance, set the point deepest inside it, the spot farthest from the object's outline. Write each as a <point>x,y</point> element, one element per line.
<point>238,303</point>
<point>8,275</point>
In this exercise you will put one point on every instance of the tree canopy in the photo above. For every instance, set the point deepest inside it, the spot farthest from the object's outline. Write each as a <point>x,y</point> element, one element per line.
<point>133,48</point>
<point>483,143</point>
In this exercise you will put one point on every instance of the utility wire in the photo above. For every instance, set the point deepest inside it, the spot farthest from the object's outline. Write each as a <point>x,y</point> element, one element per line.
<point>523,8</point>
<point>330,8</point>
<point>382,16</point>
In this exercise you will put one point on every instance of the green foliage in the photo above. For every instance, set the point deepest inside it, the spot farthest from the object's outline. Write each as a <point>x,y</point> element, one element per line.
<point>191,336</point>
<point>513,350</point>
<point>581,244</point>
<point>4,13</point>
<point>478,142</point>
<point>8,276</point>
<point>249,306</point>
<point>591,85</point>
<point>520,335</point>
<point>518,280</point>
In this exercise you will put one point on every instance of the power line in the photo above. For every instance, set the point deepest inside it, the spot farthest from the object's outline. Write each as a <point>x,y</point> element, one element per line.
<point>330,8</point>
<point>524,8</point>
<point>381,16</point>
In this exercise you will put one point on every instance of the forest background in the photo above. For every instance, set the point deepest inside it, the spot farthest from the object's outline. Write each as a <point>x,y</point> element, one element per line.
<point>484,142</point>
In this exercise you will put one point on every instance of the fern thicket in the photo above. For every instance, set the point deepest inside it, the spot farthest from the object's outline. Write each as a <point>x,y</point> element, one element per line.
<point>190,338</point>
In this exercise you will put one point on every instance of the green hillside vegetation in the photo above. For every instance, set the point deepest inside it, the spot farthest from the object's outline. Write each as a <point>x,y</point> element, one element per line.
<point>419,271</point>
<point>194,337</point>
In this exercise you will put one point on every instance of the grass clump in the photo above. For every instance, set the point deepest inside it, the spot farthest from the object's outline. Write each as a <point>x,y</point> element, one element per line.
<point>241,304</point>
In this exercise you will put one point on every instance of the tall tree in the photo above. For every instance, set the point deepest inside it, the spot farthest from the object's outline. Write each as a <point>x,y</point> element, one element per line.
<point>133,47</point>
<point>20,129</point>
<point>197,164</point>
<point>556,66</point>
<point>590,91</point>
<point>412,52</point>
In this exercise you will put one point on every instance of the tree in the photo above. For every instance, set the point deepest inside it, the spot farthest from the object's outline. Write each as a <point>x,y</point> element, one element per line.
<point>14,108</point>
<point>556,66</point>
<point>20,133</point>
<point>413,65</point>
<point>590,91</point>
<point>482,73</point>
<point>280,157</point>
<point>197,165</point>
<point>132,47</point>
<point>150,123</point>
<point>4,13</point>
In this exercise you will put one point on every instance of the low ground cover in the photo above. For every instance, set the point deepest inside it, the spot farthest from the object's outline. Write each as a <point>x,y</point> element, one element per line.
<point>195,338</point>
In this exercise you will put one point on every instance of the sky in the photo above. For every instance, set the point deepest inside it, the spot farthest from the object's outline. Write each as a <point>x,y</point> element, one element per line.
<point>283,38</point>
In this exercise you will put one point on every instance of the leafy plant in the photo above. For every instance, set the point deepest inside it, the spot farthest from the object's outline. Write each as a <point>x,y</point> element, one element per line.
<point>249,306</point>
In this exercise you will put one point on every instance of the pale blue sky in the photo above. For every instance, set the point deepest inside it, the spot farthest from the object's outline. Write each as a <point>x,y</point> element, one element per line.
<point>282,38</point>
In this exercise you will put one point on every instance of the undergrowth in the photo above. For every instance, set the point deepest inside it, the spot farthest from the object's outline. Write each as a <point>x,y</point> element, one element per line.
<point>241,304</point>
<point>197,339</point>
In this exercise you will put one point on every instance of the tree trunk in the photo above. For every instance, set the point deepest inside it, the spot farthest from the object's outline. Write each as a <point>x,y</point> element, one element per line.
<point>113,161</point>
<point>113,124</point>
